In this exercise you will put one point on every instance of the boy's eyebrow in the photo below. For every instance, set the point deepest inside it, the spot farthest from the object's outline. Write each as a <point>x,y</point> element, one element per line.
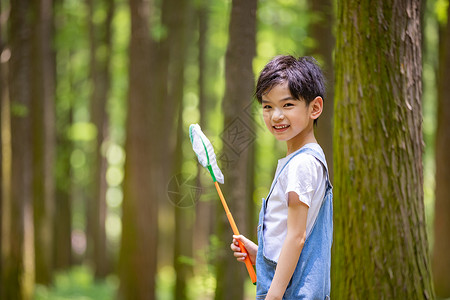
<point>288,98</point>
<point>283,99</point>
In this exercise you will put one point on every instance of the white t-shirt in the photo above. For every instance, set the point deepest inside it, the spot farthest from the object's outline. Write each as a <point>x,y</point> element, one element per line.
<point>304,175</point>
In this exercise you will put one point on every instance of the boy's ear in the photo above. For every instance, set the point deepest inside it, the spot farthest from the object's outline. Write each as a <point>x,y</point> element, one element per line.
<point>316,107</point>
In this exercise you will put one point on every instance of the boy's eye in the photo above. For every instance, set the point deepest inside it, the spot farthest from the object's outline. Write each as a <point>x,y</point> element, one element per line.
<point>266,106</point>
<point>288,104</point>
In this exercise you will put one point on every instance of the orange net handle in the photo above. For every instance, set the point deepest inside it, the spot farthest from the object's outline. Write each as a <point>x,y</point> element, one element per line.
<point>248,263</point>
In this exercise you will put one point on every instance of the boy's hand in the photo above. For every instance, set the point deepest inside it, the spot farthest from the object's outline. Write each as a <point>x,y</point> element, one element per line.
<point>251,248</point>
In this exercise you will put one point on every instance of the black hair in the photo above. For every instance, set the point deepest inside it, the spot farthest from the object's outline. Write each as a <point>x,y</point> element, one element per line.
<point>303,76</point>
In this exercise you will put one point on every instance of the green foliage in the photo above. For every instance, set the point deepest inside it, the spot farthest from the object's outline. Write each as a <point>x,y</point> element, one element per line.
<point>19,110</point>
<point>291,19</point>
<point>441,11</point>
<point>201,286</point>
<point>78,284</point>
<point>82,131</point>
<point>116,106</point>
<point>430,66</point>
<point>115,156</point>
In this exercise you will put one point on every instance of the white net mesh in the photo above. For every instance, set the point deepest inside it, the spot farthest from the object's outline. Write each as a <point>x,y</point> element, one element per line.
<point>205,151</point>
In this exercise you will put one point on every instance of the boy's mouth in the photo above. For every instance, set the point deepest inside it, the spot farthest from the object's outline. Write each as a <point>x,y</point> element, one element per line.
<point>279,128</point>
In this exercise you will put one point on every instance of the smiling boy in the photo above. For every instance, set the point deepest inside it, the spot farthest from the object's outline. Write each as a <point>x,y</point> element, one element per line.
<point>293,255</point>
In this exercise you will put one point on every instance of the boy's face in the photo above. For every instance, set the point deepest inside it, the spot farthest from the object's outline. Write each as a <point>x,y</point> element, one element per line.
<point>287,118</point>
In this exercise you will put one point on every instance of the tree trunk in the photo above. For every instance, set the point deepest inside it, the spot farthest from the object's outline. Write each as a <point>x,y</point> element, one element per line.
<point>238,135</point>
<point>100,51</point>
<point>62,224</point>
<point>321,29</point>
<point>63,205</point>
<point>6,182</point>
<point>380,242</point>
<point>18,276</point>
<point>137,262</point>
<point>176,13</point>
<point>441,259</point>
<point>3,88</point>
<point>204,209</point>
<point>184,198</point>
<point>43,122</point>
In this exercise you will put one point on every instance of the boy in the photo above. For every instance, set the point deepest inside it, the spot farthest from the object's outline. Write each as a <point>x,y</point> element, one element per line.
<point>295,229</point>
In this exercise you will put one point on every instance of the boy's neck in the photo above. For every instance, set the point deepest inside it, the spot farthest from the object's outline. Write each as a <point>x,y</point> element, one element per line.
<point>295,144</point>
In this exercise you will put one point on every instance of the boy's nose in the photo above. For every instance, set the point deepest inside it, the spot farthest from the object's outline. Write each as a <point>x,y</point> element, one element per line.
<point>277,115</point>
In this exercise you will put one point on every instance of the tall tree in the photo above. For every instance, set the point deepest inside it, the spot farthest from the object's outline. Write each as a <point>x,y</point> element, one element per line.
<point>62,224</point>
<point>137,261</point>
<point>381,247</point>
<point>441,259</point>
<point>100,36</point>
<point>17,278</point>
<point>175,15</point>
<point>184,217</point>
<point>3,86</point>
<point>321,29</point>
<point>204,209</point>
<point>238,135</point>
<point>5,209</point>
<point>43,122</point>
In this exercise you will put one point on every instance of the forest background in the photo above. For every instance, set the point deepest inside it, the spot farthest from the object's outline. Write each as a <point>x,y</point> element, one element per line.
<point>102,196</point>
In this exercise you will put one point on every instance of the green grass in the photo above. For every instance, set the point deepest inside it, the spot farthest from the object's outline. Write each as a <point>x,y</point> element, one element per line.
<point>78,284</point>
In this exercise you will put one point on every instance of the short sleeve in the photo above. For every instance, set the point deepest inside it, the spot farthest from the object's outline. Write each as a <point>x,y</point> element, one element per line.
<point>302,176</point>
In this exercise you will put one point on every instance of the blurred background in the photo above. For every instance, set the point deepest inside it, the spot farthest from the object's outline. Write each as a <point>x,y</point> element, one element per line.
<point>101,194</point>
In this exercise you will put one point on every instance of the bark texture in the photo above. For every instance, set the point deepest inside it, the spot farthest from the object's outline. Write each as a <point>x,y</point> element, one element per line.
<point>18,267</point>
<point>179,32</point>
<point>137,262</point>
<point>64,185</point>
<point>43,130</point>
<point>3,89</point>
<point>100,36</point>
<point>441,249</point>
<point>62,225</point>
<point>62,247</point>
<point>237,137</point>
<point>380,243</point>
<point>204,209</point>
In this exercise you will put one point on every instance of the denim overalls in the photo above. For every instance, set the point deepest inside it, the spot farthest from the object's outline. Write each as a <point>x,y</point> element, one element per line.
<point>311,278</point>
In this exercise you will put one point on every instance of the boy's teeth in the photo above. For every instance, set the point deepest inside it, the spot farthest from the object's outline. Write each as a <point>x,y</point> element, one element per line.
<point>280,127</point>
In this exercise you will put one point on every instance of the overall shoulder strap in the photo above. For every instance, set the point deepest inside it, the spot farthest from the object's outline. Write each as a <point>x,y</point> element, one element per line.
<point>320,157</point>
<point>281,170</point>
<point>308,150</point>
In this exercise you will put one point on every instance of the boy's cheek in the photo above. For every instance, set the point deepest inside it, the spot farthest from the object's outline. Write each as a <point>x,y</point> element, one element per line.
<point>268,125</point>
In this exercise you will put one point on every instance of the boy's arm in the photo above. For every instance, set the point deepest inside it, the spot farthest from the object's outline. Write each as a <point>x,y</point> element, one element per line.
<point>292,246</point>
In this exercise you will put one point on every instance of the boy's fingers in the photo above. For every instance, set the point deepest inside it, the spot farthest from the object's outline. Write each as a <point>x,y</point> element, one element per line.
<point>240,238</point>
<point>240,256</point>
<point>234,247</point>
<point>236,240</point>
